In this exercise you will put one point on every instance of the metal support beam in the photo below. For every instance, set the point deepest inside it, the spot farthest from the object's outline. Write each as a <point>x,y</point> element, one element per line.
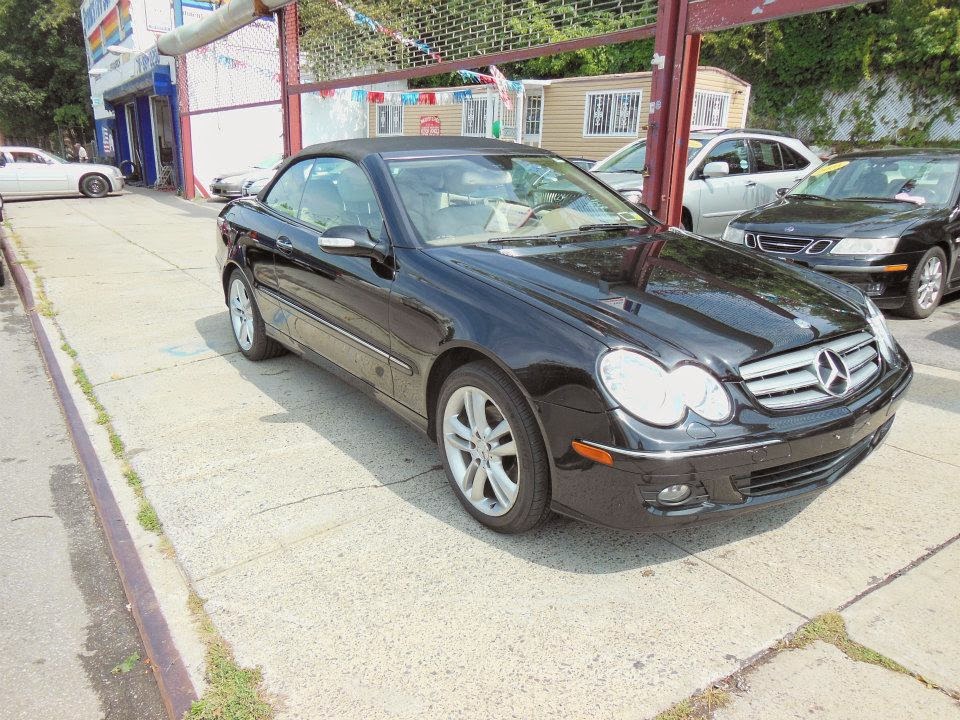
<point>673,212</point>
<point>289,29</point>
<point>713,15</point>
<point>668,64</point>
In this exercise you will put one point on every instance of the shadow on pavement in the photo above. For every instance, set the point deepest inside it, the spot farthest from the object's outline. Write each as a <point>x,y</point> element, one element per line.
<point>562,543</point>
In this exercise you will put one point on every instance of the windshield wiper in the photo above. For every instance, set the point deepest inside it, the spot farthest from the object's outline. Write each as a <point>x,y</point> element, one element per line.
<point>885,200</point>
<point>808,196</point>
<point>607,226</point>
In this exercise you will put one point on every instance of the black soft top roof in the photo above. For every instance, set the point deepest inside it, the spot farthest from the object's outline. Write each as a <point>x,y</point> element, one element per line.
<point>360,148</point>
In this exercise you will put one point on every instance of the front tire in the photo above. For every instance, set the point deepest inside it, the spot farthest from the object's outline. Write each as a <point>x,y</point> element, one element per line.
<point>246,322</point>
<point>926,285</point>
<point>492,449</point>
<point>95,186</point>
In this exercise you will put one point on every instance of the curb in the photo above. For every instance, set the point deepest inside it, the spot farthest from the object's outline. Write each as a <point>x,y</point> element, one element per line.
<point>176,688</point>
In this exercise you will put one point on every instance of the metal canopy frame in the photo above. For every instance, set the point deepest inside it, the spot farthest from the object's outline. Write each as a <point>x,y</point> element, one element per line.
<point>677,32</point>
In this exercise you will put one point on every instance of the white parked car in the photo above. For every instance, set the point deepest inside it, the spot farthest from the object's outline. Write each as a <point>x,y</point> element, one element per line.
<point>728,172</point>
<point>30,172</point>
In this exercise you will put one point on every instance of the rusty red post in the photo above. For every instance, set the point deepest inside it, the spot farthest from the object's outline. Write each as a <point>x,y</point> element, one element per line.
<point>672,213</point>
<point>669,46</point>
<point>186,136</point>
<point>290,76</point>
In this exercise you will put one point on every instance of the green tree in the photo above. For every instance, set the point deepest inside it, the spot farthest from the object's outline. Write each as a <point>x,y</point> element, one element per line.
<point>43,70</point>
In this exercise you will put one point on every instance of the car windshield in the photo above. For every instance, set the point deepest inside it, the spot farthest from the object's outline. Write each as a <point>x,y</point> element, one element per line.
<point>633,158</point>
<point>483,198</point>
<point>910,179</point>
<point>269,163</point>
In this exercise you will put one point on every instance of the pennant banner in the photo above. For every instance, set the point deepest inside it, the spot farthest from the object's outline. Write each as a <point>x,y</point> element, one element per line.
<point>374,26</point>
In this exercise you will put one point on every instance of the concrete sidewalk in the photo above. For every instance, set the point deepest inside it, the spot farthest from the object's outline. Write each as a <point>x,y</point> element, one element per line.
<point>330,551</point>
<point>65,620</point>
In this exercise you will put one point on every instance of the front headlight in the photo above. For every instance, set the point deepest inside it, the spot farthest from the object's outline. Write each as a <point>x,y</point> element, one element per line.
<point>881,331</point>
<point>866,246</point>
<point>656,396</point>
<point>633,196</point>
<point>733,235</point>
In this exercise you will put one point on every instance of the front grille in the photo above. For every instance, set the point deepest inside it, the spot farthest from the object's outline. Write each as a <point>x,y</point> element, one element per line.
<point>805,472</point>
<point>782,244</point>
<point>790,380</point>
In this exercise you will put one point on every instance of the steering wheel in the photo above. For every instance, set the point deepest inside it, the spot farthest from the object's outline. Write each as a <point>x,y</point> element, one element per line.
<point>539,209</point>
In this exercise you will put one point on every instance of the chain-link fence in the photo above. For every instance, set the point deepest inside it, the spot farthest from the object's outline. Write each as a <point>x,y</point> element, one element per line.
<point>350,38</point>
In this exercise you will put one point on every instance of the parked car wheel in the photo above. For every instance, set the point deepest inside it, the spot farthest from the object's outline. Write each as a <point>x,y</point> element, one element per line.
<point>492,449</point>
<point>926,284</point>
<point>95,186</point>
<point>246,322</point>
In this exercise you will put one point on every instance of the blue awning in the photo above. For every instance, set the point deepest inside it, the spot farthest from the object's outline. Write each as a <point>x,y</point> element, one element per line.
<point>153,82</point>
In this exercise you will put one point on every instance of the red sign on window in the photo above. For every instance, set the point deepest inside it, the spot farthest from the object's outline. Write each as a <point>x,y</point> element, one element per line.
<point>430,125</point>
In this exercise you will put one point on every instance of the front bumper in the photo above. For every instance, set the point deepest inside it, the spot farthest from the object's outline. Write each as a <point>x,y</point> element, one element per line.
<point>228,191</point>
<point>875,276</point>
<point>775,460</point>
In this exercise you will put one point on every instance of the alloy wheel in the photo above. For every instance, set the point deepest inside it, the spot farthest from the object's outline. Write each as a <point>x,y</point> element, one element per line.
<point>241,314</point>
<point>481,450</point>
<point>931,280</point>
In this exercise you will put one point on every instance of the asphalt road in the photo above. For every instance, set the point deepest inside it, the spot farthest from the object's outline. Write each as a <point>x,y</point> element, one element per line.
<point>934,341</point>
<point>65,625</point>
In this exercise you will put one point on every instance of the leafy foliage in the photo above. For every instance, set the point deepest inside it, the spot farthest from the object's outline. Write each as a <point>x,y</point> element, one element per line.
<point>43,69</point>
<point>791,62</point>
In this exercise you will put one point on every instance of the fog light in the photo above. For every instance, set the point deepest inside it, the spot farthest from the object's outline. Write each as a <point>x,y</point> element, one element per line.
<point>674,495</point>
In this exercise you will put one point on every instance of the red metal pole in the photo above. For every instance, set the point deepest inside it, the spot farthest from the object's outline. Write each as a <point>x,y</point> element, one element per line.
<point>669,47</point>
<point>289,76</point>
<point>186,136</point>
<point>673,212</point>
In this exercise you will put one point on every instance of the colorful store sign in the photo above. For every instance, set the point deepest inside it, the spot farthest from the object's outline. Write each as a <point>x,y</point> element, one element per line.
<point>430,125</point>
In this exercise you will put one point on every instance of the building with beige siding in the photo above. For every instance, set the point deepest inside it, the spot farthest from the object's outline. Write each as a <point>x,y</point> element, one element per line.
<point>576,117</point>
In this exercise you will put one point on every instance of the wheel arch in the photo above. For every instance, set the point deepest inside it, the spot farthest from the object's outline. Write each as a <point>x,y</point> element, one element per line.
<point>92,173</point>
<point>457,356</point>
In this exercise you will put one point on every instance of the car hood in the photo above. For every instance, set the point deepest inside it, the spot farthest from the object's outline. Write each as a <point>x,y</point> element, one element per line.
<point>835,218</point>
<point>621,180</point>
<point>676,295</point>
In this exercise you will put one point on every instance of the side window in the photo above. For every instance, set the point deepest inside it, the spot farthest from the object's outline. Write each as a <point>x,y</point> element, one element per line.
<point>732,152</point>
<point>284,197</point>
<point>767,155</point>
<point>27,157</point>
<point>338,192</point>
<point>792,160</point>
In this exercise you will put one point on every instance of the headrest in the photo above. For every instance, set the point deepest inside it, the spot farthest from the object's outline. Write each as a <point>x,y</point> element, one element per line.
<point>354,185</point>
<point>420,179</point>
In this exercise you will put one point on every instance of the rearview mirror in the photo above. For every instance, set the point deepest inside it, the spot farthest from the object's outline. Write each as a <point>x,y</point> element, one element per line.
<point>716,169</point>
<point>782,191</point>
<point>352,240</point>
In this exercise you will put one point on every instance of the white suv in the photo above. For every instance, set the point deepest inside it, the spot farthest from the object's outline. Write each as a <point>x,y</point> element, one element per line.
<point>728,172</point>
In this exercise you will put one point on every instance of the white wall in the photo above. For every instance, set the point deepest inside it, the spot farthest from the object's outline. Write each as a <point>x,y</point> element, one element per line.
<point>234,140</point>
<point>339,118</point>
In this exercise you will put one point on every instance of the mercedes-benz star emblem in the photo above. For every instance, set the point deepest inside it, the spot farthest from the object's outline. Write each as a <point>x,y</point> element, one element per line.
<point>789,228</point>
<point>832,373</point>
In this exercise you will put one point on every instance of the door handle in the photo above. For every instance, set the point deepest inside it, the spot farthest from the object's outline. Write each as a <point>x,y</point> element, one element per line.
<point>284,245</point>
<point>752,183</point>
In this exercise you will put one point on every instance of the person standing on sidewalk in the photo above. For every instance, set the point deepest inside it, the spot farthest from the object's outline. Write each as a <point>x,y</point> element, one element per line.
<point>80,153</point>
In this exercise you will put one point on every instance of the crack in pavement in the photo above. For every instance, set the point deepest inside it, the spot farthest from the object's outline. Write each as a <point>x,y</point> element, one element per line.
<point>431,469</point>
<point>169,367</point>
<point>925,457</point>
<point>734,577</point>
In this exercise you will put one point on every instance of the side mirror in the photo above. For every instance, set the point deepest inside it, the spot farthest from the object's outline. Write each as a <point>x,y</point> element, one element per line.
<point>716,169</point>
<point>782,191</point>
<point>352,240</point>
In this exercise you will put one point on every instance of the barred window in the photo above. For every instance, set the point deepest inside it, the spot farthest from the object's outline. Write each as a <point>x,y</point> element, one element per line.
<point>710,109</point>
<point>389,120</point>
<point>533,115</point>
<point>474,119</point>
<point>612,114</point>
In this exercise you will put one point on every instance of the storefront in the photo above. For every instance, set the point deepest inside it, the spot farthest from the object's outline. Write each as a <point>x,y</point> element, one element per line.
<point>133,89</point>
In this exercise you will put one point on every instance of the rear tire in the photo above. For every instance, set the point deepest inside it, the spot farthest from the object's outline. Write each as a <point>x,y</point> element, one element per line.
<point>95,186</point>
<point>249,332</point>
<point>926,286</point>
<point>492,450</point>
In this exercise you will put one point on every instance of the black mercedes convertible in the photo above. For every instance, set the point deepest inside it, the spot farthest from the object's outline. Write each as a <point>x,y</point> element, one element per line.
<point>565,350</point>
